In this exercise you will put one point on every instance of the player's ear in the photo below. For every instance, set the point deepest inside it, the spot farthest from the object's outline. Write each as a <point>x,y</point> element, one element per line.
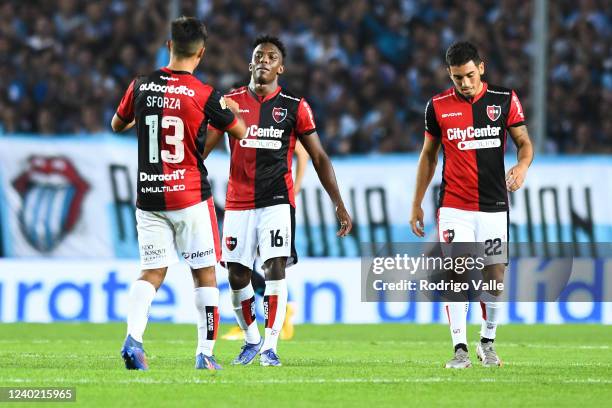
<point>250,67</point>
<point>201,52</point>
<point>281,69</point>
<point>481,68</point>
<point>169,45</point>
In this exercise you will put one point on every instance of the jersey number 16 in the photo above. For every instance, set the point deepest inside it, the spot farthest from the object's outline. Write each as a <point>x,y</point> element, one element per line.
<point>176,139</point>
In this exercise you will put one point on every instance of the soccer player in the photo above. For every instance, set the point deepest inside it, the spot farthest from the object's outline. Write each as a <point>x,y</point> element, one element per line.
<point>257,279</point>
<point>260,202</point>
<point>175,212</point>
<point>469,121</point>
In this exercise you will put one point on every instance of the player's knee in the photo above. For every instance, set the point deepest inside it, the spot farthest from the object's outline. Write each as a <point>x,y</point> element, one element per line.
<point>154,276</point>
<point>274,268</point>
<point>239,276</point>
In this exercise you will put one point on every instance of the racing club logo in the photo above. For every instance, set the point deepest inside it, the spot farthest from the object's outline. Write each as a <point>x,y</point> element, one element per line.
<point>231,242</point>
<point>448,235</point>
<point>493,112</point>
<point>279,114</point>
<point>52,193</point>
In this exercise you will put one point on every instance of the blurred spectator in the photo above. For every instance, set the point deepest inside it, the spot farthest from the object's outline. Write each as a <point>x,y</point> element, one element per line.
<point>367,67</point>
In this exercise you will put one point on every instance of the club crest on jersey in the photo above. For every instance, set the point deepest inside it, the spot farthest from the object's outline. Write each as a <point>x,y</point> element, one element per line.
<point>493,112</point>
<point>448,235</point>
<point>279,114</point>
<point>231,242</point>
<point>52,193</point>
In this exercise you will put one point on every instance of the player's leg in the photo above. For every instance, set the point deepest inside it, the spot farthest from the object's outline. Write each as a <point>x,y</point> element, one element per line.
<point>240,244</point>
<point>197,239</point>
<point>456,226</point>
<point>275,237</point>
<point>207,307</point>
<point>259,286</point>
<point>492,231</point>
<point>156,245</point>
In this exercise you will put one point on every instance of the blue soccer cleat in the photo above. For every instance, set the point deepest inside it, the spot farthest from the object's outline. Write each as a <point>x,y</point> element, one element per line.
<point>134,355</point>
<point>204,362</point>
<point>269,358</point>
<point>248,353</point>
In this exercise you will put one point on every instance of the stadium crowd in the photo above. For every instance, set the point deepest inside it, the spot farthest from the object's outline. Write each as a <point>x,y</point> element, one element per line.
<point>366,67</point>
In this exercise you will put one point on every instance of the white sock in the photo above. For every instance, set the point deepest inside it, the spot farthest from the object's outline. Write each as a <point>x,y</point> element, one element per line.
<point>139,302</point>
<point>457,319</point>
<point>490,316</point>
<point>243,301</point>
<point>275,307</point>
<point>207,306</point>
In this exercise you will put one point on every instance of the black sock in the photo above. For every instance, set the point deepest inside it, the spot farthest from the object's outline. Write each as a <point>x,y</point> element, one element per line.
<point>461,346</point>
<point>258,282</point>
<point>485,340</point>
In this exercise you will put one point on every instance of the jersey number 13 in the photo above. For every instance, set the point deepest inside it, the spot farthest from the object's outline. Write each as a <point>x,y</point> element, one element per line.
<point>175,139</point>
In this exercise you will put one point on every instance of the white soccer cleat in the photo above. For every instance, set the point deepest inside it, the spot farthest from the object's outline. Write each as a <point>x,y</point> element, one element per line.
<point>487,355</point>
<point>461,360</point>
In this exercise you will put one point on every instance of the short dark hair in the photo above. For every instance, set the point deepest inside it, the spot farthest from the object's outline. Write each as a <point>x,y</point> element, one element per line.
<point>188,35</point>
<point>262,39</point>
<point>461,53</point>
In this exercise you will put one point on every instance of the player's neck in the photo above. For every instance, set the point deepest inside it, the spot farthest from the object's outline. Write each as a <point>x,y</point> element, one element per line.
<point>181,65</point>
<point>263,89</point>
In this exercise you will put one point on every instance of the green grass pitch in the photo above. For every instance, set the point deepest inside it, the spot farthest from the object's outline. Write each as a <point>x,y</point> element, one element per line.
<point>341,365</point>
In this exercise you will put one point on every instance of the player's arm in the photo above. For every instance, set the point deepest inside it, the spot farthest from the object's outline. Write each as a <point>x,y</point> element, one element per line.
<point>119,125</point>
<point>305,127</point>
<point>224,116</point>
<point>238,130</point>
<point>426,168</point>
<point>515,122</point>
<point>425,172</point>
<point>524,152</point>
<point>327,176</point>
<point>213,135</point>
<point>124,119</point>
<point>301,165</point>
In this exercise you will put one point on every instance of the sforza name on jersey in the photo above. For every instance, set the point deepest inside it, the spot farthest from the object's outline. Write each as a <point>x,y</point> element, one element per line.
<point>172,110</point>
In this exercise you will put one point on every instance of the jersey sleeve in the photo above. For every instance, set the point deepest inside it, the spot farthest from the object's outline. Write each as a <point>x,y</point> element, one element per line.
<point>305,123</point>
<point>125,111</point>
<point>432,127</point>
<point>516,117</point>
<point>218,114</point>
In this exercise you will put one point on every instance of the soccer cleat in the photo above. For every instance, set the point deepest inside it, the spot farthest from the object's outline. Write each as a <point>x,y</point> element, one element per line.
<point>235,333</point>
<point>487,355</point>
<point>269,358</point>
<point>288,329</point>
<point>461,360</point>
<point>248,353</point>
<point>204,362</point>
<point>134,355</point>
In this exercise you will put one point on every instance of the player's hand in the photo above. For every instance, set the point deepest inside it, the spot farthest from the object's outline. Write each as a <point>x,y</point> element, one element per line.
<point>346,224</point>
<point>515,177</point>
<point>416,221</point>
<point>232,105</point>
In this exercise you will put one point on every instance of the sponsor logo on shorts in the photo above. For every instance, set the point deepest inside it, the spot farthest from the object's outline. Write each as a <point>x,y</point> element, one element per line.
<point>231,242</point>
<point>197,254</point>
<point>448,235</point>
<point>152,254</point>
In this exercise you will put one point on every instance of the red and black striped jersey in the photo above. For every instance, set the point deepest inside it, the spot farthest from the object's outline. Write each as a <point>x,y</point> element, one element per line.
<point>172,109</point>
<point>260,169</point>
<point>473,137</point>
